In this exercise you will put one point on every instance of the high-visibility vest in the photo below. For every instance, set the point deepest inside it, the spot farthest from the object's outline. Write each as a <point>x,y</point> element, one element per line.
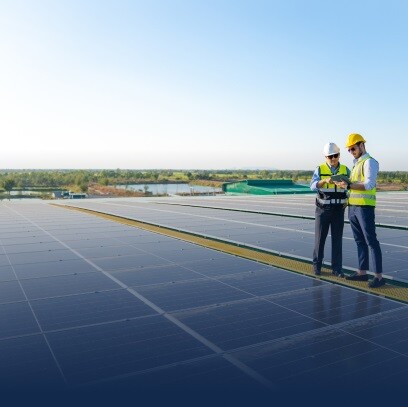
<point>357,197</point>
<point>331,194</point>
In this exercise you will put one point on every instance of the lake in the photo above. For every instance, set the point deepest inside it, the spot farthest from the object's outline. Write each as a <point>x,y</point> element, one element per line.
<point>25,192</point>
<point>171,189</point>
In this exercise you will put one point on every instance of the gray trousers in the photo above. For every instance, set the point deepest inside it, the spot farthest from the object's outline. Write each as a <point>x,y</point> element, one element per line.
<point>325,218</point>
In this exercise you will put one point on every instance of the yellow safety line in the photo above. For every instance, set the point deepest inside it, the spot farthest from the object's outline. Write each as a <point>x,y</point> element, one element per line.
<point>390,290</point>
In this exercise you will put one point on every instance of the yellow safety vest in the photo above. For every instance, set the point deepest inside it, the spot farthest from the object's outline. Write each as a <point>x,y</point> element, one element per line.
<point>331,194</point>
<point>357,197</point>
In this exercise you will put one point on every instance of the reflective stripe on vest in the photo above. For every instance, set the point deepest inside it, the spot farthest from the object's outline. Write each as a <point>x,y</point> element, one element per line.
<point>331,201</point>
<point>357,197</point>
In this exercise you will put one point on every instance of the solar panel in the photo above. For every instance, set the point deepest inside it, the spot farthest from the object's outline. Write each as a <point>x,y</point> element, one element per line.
<point>84,309</point>
<point>97,352</point>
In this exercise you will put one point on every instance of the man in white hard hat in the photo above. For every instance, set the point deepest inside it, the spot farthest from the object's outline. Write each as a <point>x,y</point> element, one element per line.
<point>331,201</point>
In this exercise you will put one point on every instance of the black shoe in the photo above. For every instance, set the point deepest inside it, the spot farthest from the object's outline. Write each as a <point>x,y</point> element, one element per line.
<point>357,277</point>
<point>317,273</point>
<point>338,274</point>
<point>375,283</point>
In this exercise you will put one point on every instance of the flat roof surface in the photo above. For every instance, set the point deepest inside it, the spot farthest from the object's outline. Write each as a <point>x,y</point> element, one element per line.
<point>90,303</point>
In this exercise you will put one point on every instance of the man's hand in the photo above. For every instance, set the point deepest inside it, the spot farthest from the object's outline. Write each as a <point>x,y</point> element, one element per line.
<point>341,184</point>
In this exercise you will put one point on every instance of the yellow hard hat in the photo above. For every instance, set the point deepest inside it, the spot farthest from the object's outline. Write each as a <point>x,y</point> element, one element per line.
<point>354,138</point>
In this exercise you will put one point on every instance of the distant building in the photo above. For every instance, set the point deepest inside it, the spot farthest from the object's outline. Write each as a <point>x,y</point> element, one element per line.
<point>60,194</point>
<point>77,195</point>
<point>69,195</point>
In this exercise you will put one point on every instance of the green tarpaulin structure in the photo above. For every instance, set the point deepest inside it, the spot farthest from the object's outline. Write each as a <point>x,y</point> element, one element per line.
<point>265,187</point>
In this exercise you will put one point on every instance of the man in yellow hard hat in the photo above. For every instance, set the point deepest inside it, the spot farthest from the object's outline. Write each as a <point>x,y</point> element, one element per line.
<point>331,201</point>
<point>362,200</point>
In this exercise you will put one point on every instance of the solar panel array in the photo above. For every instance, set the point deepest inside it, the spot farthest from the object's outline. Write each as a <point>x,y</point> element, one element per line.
<point>287,235</point>
<point>87,302</point>
<point>391,208</point>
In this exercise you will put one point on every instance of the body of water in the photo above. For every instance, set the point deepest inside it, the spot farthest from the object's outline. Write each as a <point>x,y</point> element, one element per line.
<point>171,189</point>
<point>25,192</point>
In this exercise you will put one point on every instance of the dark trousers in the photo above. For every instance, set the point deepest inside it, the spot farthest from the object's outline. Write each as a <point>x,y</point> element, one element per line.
<point>362,222</point>
<point>325,218</point>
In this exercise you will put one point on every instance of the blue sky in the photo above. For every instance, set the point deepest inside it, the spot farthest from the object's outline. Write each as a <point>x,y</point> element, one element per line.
<point>201,84</point>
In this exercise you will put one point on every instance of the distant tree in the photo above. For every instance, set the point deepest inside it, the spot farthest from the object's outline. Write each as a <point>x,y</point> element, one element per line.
<point>9,184</point>
<point>84,187</point>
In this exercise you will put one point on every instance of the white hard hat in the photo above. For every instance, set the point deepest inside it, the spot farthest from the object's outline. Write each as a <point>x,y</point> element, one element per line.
<point>330,149</point>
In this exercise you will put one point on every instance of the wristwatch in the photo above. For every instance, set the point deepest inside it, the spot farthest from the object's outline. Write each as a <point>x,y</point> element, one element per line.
<point>348,185</point>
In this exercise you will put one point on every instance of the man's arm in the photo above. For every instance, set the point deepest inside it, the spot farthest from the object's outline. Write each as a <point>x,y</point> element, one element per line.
<point>371,168</point>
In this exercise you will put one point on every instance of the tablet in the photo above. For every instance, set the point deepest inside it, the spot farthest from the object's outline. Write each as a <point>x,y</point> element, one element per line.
<point>340,177</point>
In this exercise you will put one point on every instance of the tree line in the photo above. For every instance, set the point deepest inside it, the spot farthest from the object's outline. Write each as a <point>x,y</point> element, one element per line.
<point>60,179</point>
